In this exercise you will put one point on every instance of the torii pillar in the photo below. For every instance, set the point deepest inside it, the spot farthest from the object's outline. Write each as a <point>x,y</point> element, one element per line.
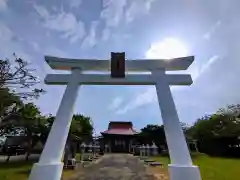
<point>50,166</point>
<point>181,167</point>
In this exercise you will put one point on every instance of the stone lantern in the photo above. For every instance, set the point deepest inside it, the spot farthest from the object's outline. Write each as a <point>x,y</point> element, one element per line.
<point>106,148</point>
<point>82,146</point>
<point>148,150</point>
<point>154,149</point>
<point>140,151</point>
<point>90,148</point>
<point>144,150</point>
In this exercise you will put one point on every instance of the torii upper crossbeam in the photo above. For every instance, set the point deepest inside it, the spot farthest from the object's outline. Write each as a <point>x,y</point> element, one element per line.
<point>139,65</point>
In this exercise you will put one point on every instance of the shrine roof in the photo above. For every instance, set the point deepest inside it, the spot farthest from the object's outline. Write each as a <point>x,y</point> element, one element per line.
<point>120,124</point>
<point>119,131</point>
<point>120,128</point>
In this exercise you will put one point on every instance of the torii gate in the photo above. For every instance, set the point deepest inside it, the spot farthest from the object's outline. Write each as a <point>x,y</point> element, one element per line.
<point>50,166</point>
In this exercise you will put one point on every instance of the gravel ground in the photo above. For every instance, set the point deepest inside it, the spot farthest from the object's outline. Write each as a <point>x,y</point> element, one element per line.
<point>115,167</point>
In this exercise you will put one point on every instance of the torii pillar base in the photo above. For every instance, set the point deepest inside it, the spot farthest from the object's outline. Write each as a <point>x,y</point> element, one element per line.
<point>178,172</point>
<point>46,171</point>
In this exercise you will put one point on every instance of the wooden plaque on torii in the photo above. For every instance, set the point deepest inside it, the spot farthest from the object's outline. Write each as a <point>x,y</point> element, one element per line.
<point>117,65</point>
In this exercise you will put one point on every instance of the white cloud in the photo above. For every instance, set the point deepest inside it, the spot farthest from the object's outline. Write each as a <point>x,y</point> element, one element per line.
<point>105,34</point>
<point>3,5</point>
<point>144,98</point>
<point>8,46</point>
<point>51,50</point>
<point>75,3</point>
<point>149,95</point>
<point>115,103</point>
<point>198,71</point>
<point>35,46</point>
<point>63,22</point>
<point>5,33</point>
<point>208,35</point>
<point>90,40</point>
<point>112,12</point>
<point>137,8</point>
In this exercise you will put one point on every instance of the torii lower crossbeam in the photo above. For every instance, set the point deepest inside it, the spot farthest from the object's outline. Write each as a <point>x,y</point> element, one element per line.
<point>131,79</point>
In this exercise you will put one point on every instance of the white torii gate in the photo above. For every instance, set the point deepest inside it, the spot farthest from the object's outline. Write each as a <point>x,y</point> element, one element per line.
<point>50,166</point>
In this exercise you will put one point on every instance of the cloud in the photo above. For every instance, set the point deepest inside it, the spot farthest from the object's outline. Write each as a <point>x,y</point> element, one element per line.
<point>149,95</point>
<point>106,34</point>
<point>75,3</point>
<point>208,35</point>
<point>115,103</point>
<point>137,8</point>
<point>51,50</point>
<point>6,34</point>
<point>3,5</point>
<point>63,22</point>
<point>9,45</point>
<point>90,40</point>
<point>113,12</point>
<point>35,46</point>
<point>198,71</point>
<point>144,98</point>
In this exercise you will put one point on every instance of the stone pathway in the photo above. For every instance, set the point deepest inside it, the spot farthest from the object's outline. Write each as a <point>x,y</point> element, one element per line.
<point>115,167</point>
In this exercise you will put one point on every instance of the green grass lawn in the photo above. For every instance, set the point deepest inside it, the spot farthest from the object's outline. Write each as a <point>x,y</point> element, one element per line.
<point>20,170</point>
<point>15,170</point>
<point>213,168</point>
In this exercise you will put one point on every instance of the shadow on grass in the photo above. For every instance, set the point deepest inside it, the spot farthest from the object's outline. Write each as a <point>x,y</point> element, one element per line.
<point>25,172</point>
<point>18,164</point>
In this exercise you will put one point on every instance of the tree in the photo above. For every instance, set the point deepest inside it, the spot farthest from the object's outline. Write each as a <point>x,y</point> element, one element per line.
<point>16,84</point>
<point>26,121</point>
<point>81,129</point>
<point>218,132</point>
<point>184,126</point>
<point>154,133</point>
<point>233,110</point>
<point>9,102</point>
<point>17,74</point>
<point>81,126</point>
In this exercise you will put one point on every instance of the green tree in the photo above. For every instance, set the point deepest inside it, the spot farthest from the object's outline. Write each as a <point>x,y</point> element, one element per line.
<point>26,121</point>
<point>9,103</point>
<point>154,133</point>
<point>218,132</point>
<point>81,127</point>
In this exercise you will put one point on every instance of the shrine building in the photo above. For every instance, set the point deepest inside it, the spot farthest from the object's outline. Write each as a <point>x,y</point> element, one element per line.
<point>120,137</point>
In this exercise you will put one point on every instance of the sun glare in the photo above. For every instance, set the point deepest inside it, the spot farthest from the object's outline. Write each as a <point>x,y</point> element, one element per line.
<point>167,49</point>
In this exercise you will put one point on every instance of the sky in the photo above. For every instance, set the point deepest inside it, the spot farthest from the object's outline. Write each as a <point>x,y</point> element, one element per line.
<point>209,30</point>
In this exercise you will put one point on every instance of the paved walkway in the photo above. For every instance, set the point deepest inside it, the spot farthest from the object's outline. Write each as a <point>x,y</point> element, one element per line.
<point>115,167</point>
<point>19,157</point>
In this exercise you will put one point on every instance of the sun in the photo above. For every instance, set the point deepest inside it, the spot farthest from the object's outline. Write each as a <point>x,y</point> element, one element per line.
<point>167,49</point>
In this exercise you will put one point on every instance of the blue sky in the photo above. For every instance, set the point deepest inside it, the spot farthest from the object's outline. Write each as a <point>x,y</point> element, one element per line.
<point>94,28</point>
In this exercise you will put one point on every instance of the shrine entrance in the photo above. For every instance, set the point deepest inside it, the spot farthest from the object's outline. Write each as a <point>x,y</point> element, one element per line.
<point>50,166</point>
<point>119,137</point>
